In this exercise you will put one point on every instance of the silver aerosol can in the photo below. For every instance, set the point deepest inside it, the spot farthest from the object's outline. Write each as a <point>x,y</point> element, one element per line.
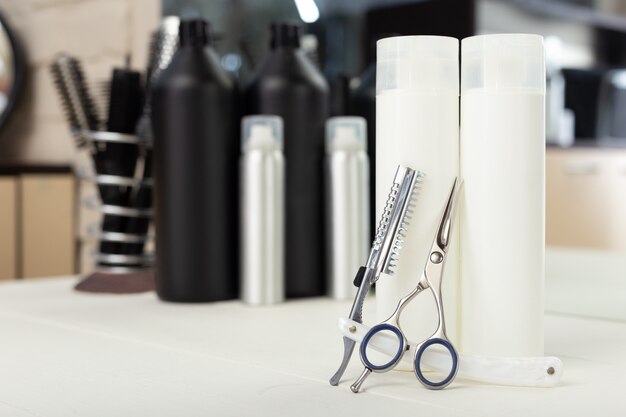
<point>347,185</point>
<point>262,210</point>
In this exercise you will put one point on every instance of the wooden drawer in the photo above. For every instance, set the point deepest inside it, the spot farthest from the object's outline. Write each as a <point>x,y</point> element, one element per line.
<point>48,243</point>
<point>586,198</point>
<point>8,228</point>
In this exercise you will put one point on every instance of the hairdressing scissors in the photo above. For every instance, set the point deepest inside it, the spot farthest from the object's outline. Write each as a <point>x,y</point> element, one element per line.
<point>430,279</point>
<point>384,253</point>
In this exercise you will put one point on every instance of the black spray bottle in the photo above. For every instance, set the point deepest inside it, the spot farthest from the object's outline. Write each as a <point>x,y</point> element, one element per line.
<point>194,120</point>
<point>289,85</point>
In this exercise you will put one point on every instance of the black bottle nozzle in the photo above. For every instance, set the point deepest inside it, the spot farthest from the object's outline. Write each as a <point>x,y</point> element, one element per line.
<point>194,32</point>
<point>285,35</point>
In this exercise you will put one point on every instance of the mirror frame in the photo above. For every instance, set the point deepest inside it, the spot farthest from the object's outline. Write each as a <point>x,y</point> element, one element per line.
<point>18,68</point>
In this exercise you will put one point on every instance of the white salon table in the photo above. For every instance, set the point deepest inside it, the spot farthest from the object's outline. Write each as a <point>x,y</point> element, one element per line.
<point>65,354</point>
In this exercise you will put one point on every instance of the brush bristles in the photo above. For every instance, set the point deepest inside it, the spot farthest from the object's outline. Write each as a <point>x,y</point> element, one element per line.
<point>163,45</point>
<point>86,99</point>
<point>102,98</point>
<point>77,103</point>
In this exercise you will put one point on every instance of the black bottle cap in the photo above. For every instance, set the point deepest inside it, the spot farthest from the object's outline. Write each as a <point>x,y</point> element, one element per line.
<point>194,32</point>
<point>285,35</point>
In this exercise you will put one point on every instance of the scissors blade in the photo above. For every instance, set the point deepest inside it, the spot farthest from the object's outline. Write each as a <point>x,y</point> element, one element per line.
<point>447,218</point>
<point>433,271</point>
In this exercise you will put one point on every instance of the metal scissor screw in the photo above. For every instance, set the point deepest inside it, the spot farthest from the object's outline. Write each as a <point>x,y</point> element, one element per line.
<point>436,257</point>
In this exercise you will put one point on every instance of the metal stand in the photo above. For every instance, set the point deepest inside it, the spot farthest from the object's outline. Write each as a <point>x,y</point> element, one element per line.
<point>118,273</point>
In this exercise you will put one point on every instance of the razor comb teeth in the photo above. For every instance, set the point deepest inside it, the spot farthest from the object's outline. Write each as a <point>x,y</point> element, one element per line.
<point>386,216</point>
<point>403,226</point>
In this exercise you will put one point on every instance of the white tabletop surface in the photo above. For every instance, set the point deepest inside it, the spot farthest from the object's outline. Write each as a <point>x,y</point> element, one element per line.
<point>64,353</point>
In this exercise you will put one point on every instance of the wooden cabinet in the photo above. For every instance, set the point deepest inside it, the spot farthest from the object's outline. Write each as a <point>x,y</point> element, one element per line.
<point>37,230</point>
<point>48,242</point>
<point>586,198</point>
<point>8,229</point>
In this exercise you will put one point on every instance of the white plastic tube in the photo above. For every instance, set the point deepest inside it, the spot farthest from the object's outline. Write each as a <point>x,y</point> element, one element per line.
<point>502,211</point>
<point>519,372</point>
<point>417,125</point>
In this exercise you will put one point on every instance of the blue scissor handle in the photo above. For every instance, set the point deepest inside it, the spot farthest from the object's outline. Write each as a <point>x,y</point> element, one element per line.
<point>368,336</point>
<point>418,359</point>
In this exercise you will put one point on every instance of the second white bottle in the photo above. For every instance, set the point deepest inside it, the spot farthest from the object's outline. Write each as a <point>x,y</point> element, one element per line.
<point>417,125</point>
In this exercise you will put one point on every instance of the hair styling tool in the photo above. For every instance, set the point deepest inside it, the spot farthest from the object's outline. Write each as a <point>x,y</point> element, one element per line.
<point>540,372</point>
<point>430,279</point>
<point>82,116</point>
<point>80,109</point>
<point>384,254</point>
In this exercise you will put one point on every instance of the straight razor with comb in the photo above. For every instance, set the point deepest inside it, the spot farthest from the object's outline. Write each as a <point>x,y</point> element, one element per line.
<point>385,251</point>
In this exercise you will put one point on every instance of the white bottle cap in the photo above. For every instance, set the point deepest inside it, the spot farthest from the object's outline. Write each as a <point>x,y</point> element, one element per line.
<point>504,62</point>
<point>427,64</point>
<point>262,133</point>
<point>346,133</point>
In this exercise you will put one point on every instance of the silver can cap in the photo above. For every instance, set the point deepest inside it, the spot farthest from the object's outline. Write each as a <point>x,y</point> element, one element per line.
<point>260,132</point>
<point>346,133</point>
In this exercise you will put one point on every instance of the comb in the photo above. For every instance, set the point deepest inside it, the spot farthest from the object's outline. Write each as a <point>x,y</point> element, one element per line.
<point>396,216</point>
<point>405,218</point>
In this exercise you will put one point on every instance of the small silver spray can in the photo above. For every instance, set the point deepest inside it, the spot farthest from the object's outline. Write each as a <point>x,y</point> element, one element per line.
<point>347,185</point>
<point>262,210</point>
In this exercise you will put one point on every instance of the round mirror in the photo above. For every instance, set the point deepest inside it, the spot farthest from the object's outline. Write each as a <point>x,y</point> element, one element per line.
<point>10,70</point>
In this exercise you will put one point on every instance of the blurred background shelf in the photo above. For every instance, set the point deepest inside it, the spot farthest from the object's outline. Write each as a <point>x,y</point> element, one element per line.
<point>599,14</point>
